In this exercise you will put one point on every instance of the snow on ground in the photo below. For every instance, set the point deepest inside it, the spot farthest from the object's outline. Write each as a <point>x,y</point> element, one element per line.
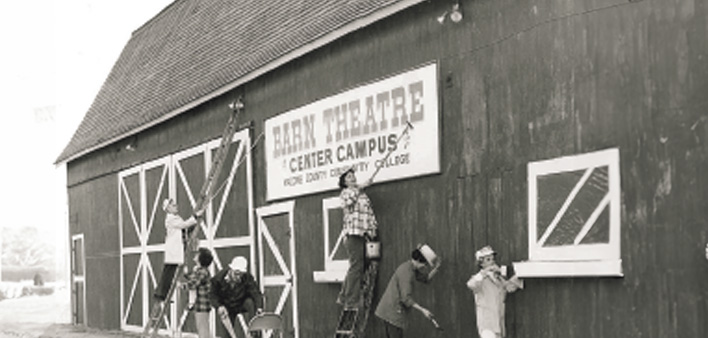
<point>46,317</point>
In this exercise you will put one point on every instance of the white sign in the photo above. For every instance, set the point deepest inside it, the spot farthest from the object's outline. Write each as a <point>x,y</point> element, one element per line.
<point>309,147</point>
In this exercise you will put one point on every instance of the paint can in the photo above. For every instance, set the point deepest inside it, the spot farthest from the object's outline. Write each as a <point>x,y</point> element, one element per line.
<point>373,250</point>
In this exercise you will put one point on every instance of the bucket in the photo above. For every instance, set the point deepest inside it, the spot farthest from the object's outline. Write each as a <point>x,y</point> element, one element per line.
<point>373,250</point>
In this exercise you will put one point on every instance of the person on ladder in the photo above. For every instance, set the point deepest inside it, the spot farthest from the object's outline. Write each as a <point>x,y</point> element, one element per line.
<point>359,223</point>
<point>174,248</point>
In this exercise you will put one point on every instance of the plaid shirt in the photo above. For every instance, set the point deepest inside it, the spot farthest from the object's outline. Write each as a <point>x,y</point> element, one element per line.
<point>359,217</point>
<point>199,279</point>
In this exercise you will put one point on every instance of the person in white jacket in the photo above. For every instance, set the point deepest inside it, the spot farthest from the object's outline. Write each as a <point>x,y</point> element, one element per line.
<point>490,288</point>
<point>174,248</point>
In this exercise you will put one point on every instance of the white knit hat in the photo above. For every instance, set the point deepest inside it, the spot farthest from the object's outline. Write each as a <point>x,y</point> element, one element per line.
<point>239,263</point>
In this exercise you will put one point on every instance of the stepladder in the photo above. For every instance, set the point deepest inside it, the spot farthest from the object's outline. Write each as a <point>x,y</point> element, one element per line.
<point>352,322</point>
<point>158,312</point>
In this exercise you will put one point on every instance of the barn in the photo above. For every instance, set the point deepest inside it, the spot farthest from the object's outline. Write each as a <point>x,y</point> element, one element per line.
<point>568,135</point>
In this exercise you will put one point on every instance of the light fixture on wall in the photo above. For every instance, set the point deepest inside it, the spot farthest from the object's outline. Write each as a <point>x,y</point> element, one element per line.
<point>132,144</point>
<point>455,14</point>
<point>236,104</point>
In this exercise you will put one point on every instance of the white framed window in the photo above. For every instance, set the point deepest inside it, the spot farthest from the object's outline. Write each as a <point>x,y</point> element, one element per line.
<point>574,216</point>
<point>78,280</point>
<point>335,258</point>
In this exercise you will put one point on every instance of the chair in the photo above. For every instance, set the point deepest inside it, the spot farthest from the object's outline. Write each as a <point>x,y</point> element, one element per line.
<point>266,321</point>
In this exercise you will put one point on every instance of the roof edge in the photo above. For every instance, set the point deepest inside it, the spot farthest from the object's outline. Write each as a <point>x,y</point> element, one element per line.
<point>292,55</point>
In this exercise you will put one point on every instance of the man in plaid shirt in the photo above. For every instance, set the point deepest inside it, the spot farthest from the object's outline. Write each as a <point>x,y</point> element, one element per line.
<point>359,223</point>
<point>199,280</point>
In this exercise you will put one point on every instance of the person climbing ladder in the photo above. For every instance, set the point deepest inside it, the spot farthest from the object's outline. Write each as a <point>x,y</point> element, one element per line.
<point>359,224</point>
<point>174,248</point>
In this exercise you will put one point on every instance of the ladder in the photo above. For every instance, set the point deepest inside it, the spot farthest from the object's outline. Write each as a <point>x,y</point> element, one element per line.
<point>352,322</point>
<point>159,308</point>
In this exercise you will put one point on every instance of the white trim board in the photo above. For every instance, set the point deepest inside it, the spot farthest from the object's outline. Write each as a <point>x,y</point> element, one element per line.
<point>608,268</point>
<point>329,276</point>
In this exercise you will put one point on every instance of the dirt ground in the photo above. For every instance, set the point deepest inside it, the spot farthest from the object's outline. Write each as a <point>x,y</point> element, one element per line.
<point>45,317</point>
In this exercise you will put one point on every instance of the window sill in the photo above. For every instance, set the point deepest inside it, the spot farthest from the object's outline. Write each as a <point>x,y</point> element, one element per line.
<point>332,276</point>
<point>541,269</point>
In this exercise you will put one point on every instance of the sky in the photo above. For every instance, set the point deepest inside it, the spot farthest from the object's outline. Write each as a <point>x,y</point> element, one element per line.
<point>54,58</point>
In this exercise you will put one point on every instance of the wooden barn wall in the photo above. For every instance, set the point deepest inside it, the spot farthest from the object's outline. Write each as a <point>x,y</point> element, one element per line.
<point>93,211</point>
<point>519,81</point>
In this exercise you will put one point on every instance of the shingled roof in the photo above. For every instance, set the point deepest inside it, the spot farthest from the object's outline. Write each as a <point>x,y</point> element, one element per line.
<point>194,50</point>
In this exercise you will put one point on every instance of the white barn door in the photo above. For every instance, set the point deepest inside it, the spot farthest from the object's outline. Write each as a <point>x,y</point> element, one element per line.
<point>140,191</point>
<point>276,243</point>
<point>227,229</point>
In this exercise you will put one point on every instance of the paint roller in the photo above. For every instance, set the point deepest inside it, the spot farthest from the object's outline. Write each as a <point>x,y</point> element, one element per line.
<point>400,137</point>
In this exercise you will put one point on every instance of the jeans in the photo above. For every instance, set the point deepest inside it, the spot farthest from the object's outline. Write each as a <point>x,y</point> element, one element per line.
<point>168,273</point>
<point>351,288</point>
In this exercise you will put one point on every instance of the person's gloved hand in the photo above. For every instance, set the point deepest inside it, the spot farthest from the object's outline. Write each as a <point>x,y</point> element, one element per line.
<point>222,311</point>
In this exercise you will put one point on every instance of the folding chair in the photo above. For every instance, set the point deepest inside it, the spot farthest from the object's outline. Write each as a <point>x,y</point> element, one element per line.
<point>266,321</point>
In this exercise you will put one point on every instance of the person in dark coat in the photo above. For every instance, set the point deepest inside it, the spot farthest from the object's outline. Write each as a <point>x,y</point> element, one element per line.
<point>234,291</point>
<point>397,301</point>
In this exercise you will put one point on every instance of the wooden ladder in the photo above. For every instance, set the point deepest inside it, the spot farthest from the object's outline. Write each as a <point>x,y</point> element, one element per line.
<point>158,310</point>
<point>352,322</point>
